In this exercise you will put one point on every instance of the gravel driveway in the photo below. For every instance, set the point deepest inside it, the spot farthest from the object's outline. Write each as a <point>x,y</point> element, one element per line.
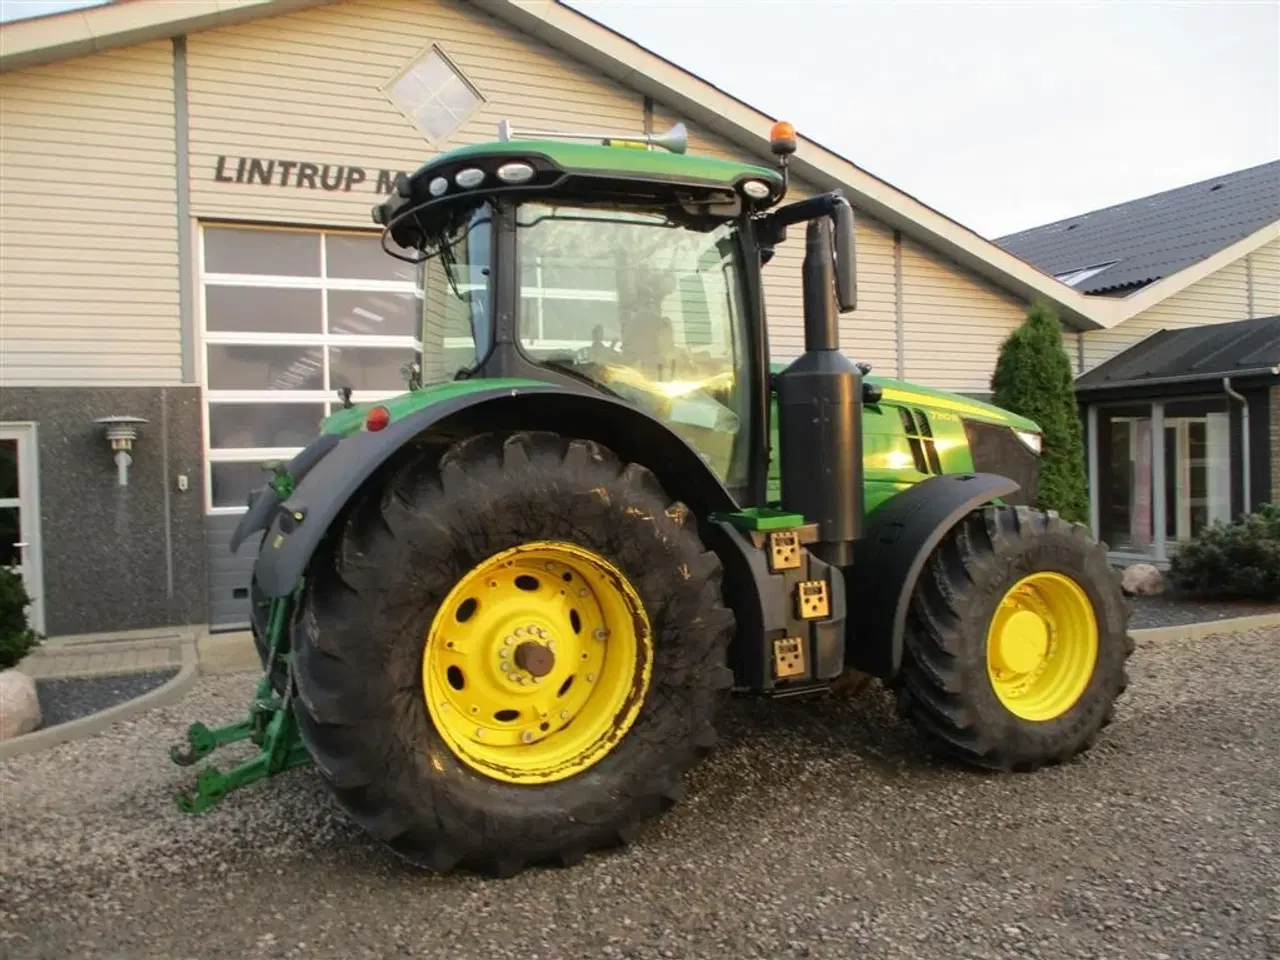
<point>818,830</point>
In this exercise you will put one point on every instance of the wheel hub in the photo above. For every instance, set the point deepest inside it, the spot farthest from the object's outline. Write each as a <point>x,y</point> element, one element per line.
<point>537,662</point>
<point>535,659</point>
<point>1042,646</point>
<point>1022,644</point>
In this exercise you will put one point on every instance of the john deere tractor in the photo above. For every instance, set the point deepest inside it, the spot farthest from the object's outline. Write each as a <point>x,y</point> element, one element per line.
<point>501,611</point>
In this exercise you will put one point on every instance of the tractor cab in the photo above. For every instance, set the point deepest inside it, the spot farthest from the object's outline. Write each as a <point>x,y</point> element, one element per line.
<point>622,266</point>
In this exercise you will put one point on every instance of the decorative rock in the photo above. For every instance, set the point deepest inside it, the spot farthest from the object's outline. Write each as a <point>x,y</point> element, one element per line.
<point>1143,580</point>
<point>19,704</point>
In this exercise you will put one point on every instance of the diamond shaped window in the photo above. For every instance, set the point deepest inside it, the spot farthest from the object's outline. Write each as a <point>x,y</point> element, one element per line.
<point>434,95</point>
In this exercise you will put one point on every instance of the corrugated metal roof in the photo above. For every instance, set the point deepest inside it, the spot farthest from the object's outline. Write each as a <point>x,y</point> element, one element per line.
<point>1145,240</point>
<point>1219,350</point>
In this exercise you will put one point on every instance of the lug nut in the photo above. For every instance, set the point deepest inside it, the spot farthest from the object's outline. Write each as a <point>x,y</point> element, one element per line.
<point>508,640</point>
<point>564,714</point>
<point>519,631</point>
<point>527,736</point>
<point>505,667</point>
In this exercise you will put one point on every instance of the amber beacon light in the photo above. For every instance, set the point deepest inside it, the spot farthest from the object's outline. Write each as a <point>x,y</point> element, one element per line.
<point>782,138</point>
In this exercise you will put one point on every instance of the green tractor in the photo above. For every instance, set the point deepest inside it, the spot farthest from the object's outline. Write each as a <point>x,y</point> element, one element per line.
<point>501,611</point>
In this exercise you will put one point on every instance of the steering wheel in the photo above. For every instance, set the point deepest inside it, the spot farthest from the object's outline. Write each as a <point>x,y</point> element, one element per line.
<point>583,355</point>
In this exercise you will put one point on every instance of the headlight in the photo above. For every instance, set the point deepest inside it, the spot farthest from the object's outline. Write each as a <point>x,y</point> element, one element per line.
<point>1031,440</point>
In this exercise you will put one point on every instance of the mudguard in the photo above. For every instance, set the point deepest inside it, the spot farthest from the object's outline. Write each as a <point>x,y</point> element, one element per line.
<point>299,523</point>
<point>265,502</point>
<point>899,538</point>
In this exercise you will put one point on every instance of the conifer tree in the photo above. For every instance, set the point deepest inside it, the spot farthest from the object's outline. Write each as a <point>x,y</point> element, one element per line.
<point>1033,378</point>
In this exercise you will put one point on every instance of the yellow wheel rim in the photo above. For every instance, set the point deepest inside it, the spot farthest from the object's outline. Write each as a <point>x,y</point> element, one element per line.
<point>537,663</point>
<point>1042,646</point>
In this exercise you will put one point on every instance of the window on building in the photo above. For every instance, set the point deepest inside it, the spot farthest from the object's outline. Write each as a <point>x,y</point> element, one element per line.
<point>1197,472</point>
<point>291,316</point>
<point>434,94</point>
<point>1191,471</point>
<point>1073,277</point>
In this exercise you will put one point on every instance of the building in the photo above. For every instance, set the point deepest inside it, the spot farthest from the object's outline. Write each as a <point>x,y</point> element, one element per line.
<point>1183,431</point>
<point>1182,400</point>
<point>187,240</point>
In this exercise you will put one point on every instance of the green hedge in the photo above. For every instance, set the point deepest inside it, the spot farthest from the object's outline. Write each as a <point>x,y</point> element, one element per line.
<point>1232,561</point>
<point>17,639</point>
<point>1033,378</point>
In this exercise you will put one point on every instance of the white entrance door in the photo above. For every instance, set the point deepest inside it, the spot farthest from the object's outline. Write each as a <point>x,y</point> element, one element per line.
<point>20,512</point>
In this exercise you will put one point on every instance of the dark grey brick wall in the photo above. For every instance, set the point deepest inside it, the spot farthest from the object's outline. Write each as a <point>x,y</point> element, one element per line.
<point>107,562</point>
<point>1275,444</point>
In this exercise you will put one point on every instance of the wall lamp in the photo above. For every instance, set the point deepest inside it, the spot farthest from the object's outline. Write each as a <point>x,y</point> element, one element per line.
<point>121,432</point>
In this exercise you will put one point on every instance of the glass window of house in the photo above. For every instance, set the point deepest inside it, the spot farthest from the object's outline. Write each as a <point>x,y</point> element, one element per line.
<point>1126,479</point>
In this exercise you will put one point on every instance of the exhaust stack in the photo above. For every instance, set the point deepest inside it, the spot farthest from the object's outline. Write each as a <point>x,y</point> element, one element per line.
<point>820,414</point>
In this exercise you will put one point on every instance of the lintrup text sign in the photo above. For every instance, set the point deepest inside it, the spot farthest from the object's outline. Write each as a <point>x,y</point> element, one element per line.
<point>333,177</point>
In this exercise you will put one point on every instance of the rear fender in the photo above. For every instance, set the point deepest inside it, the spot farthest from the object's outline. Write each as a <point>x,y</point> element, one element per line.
<point>899,538</point>
<point>300,523</point>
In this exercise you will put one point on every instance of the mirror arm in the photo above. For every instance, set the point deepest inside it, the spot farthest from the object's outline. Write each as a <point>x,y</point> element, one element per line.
<point>771,230</point>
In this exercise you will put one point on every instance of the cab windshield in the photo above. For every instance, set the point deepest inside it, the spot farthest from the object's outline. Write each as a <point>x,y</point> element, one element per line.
<point>650,310</point>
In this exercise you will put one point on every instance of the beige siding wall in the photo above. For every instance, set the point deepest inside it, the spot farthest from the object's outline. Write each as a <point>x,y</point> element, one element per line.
<point>1265,263</point>
<point>954,323</point>
<point>1219,298</point>
<point>89,276</point>
<point>870,333</point>
<point>307,87</point>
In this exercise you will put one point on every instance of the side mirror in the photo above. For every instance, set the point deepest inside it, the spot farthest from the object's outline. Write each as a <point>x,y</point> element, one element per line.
<point>846,257</point>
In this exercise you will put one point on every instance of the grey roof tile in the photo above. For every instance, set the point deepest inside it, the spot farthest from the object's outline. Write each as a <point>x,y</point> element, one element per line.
<point>1212,352</point>
<point>1155,236</point>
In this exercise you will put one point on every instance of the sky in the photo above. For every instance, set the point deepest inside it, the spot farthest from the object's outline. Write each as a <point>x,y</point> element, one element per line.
<point>1002,115</point>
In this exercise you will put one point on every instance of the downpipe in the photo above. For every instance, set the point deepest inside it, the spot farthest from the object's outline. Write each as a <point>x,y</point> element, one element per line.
<point>1244,443</point>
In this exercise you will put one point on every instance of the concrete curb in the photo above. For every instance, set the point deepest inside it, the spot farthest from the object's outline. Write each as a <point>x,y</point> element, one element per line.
<point>1205,628</point>
<point>168,692</point>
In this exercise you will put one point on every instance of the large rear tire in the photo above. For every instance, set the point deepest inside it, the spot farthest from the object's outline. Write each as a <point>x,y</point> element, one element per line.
<point>415,615</point>
<point>1016,642</point>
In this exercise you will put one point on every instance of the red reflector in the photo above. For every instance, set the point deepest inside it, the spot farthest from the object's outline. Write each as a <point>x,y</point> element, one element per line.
<point>377,418</point>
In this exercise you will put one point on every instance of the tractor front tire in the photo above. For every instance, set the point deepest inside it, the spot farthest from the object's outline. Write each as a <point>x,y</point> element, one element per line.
<point>1016,641</point>
<point>511,581</point>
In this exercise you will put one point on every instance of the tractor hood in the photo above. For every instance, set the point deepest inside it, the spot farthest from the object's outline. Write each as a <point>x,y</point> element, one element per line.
<point>900,391</point>
<point>904,392</point>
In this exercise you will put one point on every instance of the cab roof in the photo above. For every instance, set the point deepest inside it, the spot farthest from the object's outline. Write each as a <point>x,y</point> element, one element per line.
<point>431,198</point>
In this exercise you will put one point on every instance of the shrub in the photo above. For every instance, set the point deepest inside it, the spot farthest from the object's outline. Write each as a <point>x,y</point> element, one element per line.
<point>1232,561</point>
<point>17,639</point>
<point>1033,378</point>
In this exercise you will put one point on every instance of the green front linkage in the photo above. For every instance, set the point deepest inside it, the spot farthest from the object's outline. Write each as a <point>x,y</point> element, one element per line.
<point>270,726</point>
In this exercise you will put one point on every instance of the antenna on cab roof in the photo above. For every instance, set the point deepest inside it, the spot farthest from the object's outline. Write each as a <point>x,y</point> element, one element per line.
<point>676,139</point>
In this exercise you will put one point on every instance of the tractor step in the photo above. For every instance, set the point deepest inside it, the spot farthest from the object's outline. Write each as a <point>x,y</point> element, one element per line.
<point>795,644</point>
